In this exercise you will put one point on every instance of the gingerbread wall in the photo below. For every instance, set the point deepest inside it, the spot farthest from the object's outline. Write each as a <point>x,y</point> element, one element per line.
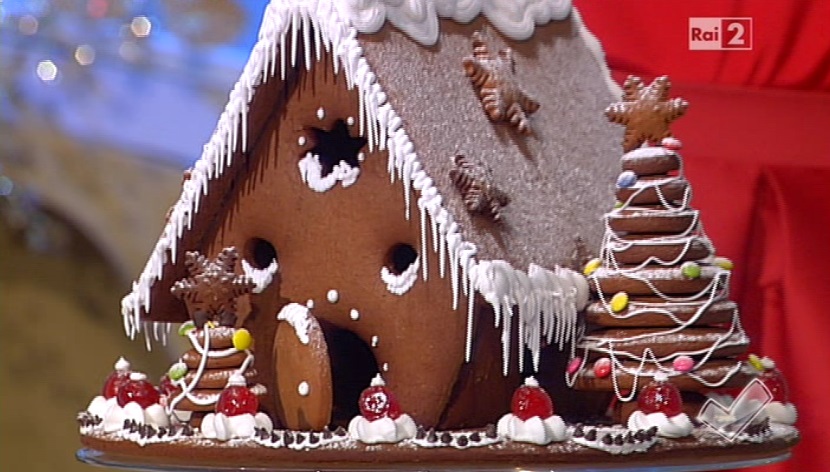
<point>340,240</point>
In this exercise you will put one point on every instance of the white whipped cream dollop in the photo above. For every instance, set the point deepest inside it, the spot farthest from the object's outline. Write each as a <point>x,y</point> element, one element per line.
<point>676,426</point>
<point>533,430</point>
<point>222,427</point>
<point>113,415</point>
<point>782,413</point>
<point>383,430</point>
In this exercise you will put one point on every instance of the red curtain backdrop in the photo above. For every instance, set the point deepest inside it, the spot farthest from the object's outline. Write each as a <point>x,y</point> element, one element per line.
<point>757,151</point>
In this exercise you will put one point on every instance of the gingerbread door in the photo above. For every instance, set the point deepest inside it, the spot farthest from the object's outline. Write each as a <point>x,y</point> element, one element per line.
<point>303,386</point>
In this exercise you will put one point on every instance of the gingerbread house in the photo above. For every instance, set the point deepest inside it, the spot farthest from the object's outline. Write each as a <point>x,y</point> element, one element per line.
<point>415,180</point>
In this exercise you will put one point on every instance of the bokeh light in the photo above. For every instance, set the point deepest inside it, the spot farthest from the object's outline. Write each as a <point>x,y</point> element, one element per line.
<point>47,71</point>
<point>141,26</point>
<point>85,54</point>
<point>28,25</point>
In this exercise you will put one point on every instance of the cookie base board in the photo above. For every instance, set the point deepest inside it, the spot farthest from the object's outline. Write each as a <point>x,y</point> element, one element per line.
<point>704,450</point>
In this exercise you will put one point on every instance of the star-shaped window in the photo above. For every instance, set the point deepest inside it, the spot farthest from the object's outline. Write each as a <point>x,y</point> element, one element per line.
<point>334,156</point>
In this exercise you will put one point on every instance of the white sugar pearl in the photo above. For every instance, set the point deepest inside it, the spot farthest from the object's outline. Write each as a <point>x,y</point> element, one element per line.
<point>333,296</point>
<point>303,389</point>
<point>354,314</point>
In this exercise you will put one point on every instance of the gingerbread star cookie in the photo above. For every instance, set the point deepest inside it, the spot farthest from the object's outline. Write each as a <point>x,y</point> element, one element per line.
<point>494,77</point>
<point>646,112</point>
<point>474,182</point>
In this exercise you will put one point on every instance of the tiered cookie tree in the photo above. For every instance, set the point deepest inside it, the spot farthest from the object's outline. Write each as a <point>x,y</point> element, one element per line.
<point>662,305</point>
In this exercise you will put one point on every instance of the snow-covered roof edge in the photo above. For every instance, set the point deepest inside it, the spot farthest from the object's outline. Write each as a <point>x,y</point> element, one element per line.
<point>547,299</point>
<point>516,19</point>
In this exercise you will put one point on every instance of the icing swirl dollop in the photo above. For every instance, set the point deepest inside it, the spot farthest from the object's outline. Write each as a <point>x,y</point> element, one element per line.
<point>676,426</point>
<point>382,430</point>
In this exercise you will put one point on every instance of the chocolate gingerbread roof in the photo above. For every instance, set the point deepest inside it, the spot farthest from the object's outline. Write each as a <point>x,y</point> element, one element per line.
<point>418,105</point>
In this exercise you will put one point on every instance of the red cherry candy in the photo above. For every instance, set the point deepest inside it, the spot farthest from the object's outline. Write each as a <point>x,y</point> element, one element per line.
<point>660,396</point>
<point>777,385</point>
<point>529,401</point>
<point>237,400</point>
<point>602,368</point>
<point>167,387</point>
<point>140,391</point>
<point>114,382</point>
<point>377,402</point>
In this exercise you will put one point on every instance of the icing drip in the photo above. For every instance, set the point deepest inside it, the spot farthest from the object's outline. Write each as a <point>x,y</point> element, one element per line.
<point>261,277</point>
<point>545,304</point>
<point>204,351</point>
<point>298,317</point>
<point>399,284</point>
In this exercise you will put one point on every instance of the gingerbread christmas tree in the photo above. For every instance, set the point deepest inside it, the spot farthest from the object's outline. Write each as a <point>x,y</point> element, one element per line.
<point>219,349</point>
<point>662,305</point>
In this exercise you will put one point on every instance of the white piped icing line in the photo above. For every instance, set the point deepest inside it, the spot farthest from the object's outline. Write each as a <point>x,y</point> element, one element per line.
<point>262,278</point>
<point>298,317</point>
<point>546,303</point>
<point>399,284</point>
<point>516,19</point>
<point>204,351</point>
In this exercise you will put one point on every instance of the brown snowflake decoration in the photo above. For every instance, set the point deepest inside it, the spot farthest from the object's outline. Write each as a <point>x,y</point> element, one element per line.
<point>646,112</point>
<point>495,80</point>
<point>474,182</point>
<point>211,290</point>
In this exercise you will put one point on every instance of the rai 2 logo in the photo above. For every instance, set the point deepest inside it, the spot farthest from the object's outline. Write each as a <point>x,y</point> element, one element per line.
<point>720,34</point>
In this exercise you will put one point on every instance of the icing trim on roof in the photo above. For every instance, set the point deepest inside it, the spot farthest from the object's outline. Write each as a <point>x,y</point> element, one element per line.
<point>545,301</point>
<point>516,19</point>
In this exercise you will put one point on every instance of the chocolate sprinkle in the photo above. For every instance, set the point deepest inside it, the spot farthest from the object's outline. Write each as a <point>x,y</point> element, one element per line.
<point>326,433</point>
<point>591,435</point>
<point>607,440</point>
<point>340,431</point>
<point>475,437</point>
<point>274,437</point>
<point>462,441</point>
<point>618,440</point>
<point>446,438</point>
<point>313,438</point>
<point>579,431</point>
<point>300,437</point>
<point>431,436</point>
<point>287,438</point>
<point>420,433</point>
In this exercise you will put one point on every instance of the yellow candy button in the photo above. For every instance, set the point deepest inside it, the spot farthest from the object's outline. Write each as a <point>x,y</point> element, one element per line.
<point>723,263</point>
<point>242,339</point>
<point>591,266</point>
<point>755,361</point>
<point>619,302</point>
